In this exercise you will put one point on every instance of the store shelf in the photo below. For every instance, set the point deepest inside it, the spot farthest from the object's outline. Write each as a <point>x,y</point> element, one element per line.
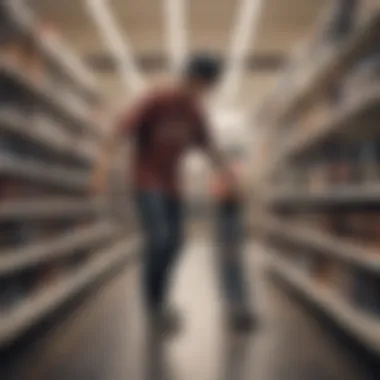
<point>56,176</point>
<point>50,208</point>
<point>70,244</point>
<point>343,119</point>
<point>332,68</point>
<point>353,254</point>
<point>59,54</point>
<point>362,326</point>
<point>14,322</point>
<point>54,50</point>
<point>73,118</point>
<point>47,136</point>
<point>343,196</point>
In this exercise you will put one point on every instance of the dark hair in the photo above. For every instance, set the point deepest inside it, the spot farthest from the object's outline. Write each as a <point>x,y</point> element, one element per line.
<point>203,67</point>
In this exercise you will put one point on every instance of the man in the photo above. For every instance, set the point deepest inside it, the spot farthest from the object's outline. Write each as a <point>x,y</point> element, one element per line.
<point>163,126</point>
<point>230,241</point>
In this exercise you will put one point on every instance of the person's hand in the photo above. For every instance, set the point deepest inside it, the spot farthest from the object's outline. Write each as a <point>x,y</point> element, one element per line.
<point>233,187</point>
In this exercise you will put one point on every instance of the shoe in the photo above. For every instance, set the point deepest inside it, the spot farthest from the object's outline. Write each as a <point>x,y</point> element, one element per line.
<point>242,320</point>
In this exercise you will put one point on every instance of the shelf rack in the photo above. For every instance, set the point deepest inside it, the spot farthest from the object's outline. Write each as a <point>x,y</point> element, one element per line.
<point>343,120</point>
<point>59,238</point>
<point>294,240</point>
<point>360,325</point>
<point>73,118</point>
<point>50,137</point>
<point>54,50</point>
<point>333,198</point>
<point>47,174</point>
<point>51,208</point>
<point>329,70</point>
<point>14,322</point>
<point>323,244</point>
<point>320,78</point>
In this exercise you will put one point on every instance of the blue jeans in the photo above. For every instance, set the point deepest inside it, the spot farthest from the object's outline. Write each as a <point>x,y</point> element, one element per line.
<point>230,238</point>
<point>162,223</point>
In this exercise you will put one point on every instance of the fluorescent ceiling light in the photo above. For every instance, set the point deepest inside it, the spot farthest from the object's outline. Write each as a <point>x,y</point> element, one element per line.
<point>127,68</point>
<point>244,32</point>
<point>175,21</point>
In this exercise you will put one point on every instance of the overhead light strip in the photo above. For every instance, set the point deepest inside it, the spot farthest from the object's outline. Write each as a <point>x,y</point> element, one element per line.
<point>244,33</point>
<point>176,32</point>
<point>121,51</point>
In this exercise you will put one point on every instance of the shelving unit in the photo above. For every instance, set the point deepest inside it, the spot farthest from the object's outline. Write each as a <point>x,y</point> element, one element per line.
<point>69,244</point>
<point>73,117</point>
<point>51,208</point>
<point>326,245</point>
<point>343,120</point>
<point>320,76</point>
<point>321,180</point>
<point>360,325</point>
<point>52,138</point>
<point>335,198</point>
<point>56,237</point>
<point>52,175</point>
<point>15,322</point>
<point>53,49</point>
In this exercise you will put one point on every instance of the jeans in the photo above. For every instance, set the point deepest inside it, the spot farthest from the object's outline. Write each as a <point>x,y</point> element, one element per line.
<point>230,239</point>
<point>162,221</point>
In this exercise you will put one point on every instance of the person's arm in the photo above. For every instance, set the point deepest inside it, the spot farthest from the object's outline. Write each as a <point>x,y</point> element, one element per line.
<point>207,144</point>
<point>219,162</point>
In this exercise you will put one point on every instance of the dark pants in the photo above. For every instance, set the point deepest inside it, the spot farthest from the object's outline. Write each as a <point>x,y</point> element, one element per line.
<point>230,239</point>
<point>162,222</point>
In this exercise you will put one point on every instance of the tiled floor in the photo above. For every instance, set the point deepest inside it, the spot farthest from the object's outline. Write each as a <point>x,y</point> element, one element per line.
<point>104,340</point>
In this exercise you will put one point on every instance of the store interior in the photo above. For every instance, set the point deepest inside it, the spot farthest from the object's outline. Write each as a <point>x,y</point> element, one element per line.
<point>296,98</point>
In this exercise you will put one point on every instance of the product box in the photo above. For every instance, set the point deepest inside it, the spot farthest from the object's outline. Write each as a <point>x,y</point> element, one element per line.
<point>363,76</point>
<point>365,291</point>
<point>325,271</point>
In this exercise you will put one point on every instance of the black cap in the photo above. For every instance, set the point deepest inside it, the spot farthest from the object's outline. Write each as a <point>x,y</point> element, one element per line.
<point>204,67</point>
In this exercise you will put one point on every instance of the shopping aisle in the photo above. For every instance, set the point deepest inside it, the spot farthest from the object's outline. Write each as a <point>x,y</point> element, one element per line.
<point>104,339</point>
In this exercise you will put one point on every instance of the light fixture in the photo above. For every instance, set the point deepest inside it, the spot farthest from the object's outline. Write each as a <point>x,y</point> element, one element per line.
<point>246,26</point>
<point>175,21</point>
<point>120,49</point>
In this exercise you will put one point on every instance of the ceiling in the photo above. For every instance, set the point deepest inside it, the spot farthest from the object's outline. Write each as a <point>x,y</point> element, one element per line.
<point>209,25</point>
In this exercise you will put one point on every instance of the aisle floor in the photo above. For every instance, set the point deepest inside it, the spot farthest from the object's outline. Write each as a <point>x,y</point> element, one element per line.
<point>104,340</point>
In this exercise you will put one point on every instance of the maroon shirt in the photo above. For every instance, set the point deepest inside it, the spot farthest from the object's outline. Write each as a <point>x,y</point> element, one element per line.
<point>164,125</point>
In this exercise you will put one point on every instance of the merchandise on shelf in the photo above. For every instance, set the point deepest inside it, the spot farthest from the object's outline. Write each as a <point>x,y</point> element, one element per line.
<point>32,62</point>
<point>324,271</point>
<point>12,292</point>
<point>369,163</point>
<point>363,76</point>
<point>13,234</point>
<point>40,97</point>
<point>342,20</point>
<point>365,291</point>
<point>317,173</point>
<point>342,282</point>
<point>308,262</point>
<point>325,192</point>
